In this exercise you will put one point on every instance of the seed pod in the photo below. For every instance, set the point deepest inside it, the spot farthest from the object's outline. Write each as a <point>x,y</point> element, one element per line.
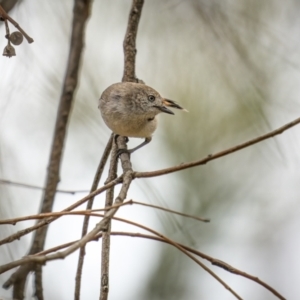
<point>9,51</point>
<point>16,38</point>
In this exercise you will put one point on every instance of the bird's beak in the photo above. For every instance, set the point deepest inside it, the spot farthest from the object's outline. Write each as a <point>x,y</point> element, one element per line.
<point>164,109</point>
<point>170,103</point>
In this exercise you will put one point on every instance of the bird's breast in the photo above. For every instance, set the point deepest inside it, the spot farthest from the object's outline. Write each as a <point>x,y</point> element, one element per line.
<point>133,126</point>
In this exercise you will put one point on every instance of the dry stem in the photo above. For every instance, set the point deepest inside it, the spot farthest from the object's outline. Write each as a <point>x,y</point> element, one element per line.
<point>89,206</point>
<point>210,157</point>
<point>5,16</point>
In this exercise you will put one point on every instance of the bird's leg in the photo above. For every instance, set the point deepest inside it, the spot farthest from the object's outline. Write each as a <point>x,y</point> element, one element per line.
<point>145,142</point>
<point>129,151</point>
<point>116,138</point>
<point>120,151</point>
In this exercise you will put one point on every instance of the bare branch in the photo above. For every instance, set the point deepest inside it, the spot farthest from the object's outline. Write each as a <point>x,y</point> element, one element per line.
<point>130,41</point>
<point>127,178</point>
<point>180,248</point>
<point>41,259</point>
<point>168,210</point>
<point>21,233</point>
<point>5,16</point>
<point>90,212</point>
<point>81,12</point>
<point>105,249</point>
<point>168,170</point>
<point>214,261</point>
<point>210,157</point>
<point>102,225</point>
<point>128,75</point>
<point>89,206</point>
<point>35,187</point>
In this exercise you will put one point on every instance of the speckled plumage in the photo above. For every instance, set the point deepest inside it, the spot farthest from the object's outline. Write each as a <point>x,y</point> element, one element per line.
<point>130,109</point>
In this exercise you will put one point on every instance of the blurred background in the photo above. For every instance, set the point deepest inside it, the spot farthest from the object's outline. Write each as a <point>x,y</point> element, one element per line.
<point>235,66</point>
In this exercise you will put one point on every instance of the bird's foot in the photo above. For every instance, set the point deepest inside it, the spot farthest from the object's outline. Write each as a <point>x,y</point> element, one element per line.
<point>121,151</point>
<point>116,137</point>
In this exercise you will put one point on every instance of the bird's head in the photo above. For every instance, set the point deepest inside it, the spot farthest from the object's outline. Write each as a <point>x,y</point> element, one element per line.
<point>150,101</point>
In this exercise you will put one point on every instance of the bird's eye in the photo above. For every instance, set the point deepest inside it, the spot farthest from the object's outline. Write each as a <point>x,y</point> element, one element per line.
<point>151,98</point>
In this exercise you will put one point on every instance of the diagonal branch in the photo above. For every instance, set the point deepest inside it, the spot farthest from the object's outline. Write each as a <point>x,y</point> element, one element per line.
<point>23,232</point>
<point>5,16</point>
<point>90,212</point>
<point>214,261</point>
<point>210,157</point>
<point>100,226</point>
<point>168,210</point>
<point>160,172</point>
<point>87,217</point>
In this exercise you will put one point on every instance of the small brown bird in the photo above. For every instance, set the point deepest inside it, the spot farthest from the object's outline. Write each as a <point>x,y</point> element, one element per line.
<point>129,109</point>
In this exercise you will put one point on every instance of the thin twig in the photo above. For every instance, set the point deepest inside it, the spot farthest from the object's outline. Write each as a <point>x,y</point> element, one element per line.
<point>214,261</point>
<point>105,249</point>
<point>90,212</point>
<point>210,157</point>
<point>129,44</point>
<point>25,231</point>
<point>168,170</point>
<point>180,248</point>
<point>9,50</point>
<point>100,226</point>
<point>7,33</point>
<point>89,206</point>
<point>35,187</point>
<point>5,16</point>
<point>169,210</point>
<point>41,259</point>
<point>59,255</point>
